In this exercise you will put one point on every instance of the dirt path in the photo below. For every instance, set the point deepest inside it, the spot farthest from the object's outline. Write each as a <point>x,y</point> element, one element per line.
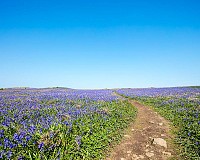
<point>148,137</point>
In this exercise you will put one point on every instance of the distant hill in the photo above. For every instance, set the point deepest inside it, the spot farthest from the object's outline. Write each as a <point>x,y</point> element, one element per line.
<point>194,86</point>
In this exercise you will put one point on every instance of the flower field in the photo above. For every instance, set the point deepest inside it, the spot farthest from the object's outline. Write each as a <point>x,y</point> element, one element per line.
<point>60,123</point>
<point>179,105</point>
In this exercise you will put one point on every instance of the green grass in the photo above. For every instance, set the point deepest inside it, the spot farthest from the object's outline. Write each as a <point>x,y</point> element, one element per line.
<point>95,133</point>
<point>88,137</point>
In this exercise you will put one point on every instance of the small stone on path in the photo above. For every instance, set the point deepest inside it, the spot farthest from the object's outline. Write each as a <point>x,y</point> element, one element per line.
<point>129,152</point>
<point>167,153</point>
<point>152,122</point>
<point>134,155</point>
<point>141,156</point>
<point>148,154</point>
<point>127,136</point>
<point>160,141</point>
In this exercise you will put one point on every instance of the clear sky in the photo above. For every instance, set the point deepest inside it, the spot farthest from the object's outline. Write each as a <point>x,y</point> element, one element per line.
<point>99,44</point>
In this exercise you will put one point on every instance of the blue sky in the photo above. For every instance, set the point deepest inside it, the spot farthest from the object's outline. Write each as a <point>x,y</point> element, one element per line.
<point>99,44</point>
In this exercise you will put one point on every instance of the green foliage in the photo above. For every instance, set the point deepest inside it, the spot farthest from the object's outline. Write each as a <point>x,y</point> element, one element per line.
<point>88,137</point>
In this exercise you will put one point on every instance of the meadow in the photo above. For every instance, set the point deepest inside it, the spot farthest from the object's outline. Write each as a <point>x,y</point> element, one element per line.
<point>60,123</point>
<point>181,106</point>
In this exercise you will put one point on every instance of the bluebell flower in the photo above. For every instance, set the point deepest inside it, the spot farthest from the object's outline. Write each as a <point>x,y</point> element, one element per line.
<point>5,124</point>
<point>66,123</point>
<point>51,134</point>
<point>6,142</point>
<point>20,158</point>
<point>11,145</point>
<point>78,141</point>
<point>1,133</point>
<point>1,154</point>
<point>15,137</point>
<point>24,144</point>
<point>32,129</point>
<point>9,154</point>
<point>41,145</point>
<point>28,138</point>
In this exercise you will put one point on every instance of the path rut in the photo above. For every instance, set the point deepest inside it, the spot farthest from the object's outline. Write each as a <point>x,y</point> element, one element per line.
<point>147,138</point>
